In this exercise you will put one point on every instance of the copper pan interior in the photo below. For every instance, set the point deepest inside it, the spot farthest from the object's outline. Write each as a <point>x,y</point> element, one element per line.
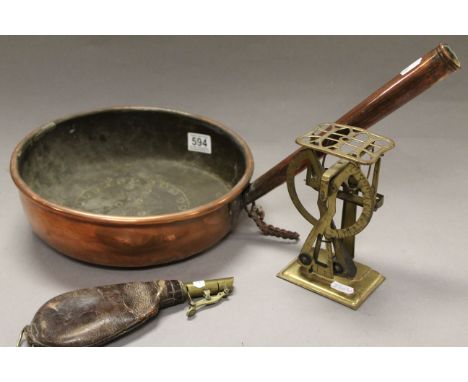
<point>131,162</point>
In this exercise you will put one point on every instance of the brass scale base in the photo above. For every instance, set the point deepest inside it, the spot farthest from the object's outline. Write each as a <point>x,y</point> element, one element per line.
<point>363,284</point>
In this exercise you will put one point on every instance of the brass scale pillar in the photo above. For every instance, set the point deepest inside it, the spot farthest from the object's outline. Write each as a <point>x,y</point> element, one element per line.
<point>326,263</point>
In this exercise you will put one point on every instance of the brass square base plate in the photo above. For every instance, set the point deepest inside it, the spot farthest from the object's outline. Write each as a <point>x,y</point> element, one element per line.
<point>349,292</point>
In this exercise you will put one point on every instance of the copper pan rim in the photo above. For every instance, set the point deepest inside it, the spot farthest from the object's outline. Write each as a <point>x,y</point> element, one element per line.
<point>204,209</point>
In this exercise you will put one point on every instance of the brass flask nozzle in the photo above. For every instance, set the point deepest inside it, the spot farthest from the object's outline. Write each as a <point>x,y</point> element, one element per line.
<point>211,291</point>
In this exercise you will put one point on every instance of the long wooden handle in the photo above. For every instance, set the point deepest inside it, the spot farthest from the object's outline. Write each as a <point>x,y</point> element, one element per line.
<point>409,83</point>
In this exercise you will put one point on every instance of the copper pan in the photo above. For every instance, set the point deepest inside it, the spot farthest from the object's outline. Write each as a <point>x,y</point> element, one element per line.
<point>120,187</point>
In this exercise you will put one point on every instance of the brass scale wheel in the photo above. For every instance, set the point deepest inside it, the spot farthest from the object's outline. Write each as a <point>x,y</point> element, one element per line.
<point>342,178</point>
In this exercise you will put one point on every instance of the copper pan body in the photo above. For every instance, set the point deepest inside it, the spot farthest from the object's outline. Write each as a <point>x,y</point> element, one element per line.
<point>133,241</point>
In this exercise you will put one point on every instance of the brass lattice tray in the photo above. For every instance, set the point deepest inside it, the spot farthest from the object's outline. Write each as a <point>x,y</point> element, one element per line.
<point>347,142</point>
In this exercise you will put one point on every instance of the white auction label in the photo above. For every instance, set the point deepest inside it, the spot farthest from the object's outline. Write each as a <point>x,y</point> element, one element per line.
<point>411,66</point>
<point>199,142</point>
<point>199,284</point>
<point>342,288</point>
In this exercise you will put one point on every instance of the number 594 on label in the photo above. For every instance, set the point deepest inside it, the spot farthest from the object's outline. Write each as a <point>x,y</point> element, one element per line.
<point>199,142</point>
